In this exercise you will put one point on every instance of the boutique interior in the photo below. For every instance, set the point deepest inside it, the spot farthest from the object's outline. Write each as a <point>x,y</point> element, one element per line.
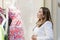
<point>26,11</point>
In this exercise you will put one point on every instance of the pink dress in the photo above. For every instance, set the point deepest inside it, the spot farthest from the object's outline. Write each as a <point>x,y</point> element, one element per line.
<point>16,30</point>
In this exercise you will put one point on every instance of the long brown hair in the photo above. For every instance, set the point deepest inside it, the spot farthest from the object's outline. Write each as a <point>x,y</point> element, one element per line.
<point>47,15</point>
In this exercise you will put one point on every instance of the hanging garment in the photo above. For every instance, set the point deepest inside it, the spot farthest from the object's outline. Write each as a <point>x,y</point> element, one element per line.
<point>1,33</point>
<point>2,17</point>
<point>2,24</point>
<point>16,30</point>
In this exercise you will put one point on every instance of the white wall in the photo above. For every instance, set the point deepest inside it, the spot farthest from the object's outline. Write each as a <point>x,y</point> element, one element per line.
<point>58,21</point>
<point>56,15</point>
<point>0,3</point>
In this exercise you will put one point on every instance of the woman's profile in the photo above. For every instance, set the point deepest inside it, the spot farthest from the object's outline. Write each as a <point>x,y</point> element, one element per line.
<point>43,29</point>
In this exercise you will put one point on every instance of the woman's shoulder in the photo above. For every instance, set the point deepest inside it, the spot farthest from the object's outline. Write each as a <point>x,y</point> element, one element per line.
<point>48,23</point>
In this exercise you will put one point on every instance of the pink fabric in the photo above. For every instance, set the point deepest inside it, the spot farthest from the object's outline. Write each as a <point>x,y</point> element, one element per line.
<point>16,30</point>
<point>1,11</point>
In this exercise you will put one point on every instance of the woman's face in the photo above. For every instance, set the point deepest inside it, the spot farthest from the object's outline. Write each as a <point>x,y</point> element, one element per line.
<point>40,14</point>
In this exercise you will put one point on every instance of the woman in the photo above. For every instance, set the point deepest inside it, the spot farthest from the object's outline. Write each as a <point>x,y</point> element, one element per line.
<point>43,29</point>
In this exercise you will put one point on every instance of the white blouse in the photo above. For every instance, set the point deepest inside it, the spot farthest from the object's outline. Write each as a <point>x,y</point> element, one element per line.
<point>45,32</point>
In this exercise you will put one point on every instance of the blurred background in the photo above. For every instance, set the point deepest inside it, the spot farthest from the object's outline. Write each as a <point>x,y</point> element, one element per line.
<point>29,9</point>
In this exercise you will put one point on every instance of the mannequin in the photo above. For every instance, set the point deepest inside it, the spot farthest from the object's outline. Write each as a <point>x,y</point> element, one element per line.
<point>15,29</point>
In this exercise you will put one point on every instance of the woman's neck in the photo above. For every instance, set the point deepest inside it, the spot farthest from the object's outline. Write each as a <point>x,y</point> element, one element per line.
<point>40,22</point>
